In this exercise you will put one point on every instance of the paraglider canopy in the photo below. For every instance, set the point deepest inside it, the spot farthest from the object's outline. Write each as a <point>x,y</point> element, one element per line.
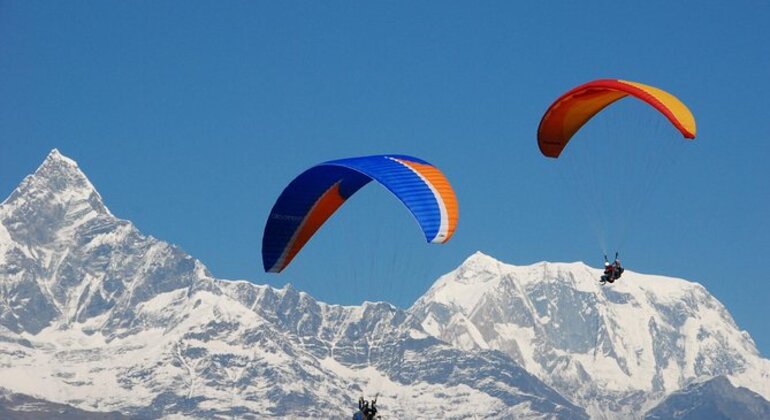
<point>573,109</point>
<point>312,197</point>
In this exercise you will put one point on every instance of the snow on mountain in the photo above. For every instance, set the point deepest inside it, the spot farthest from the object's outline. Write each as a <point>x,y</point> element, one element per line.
<point>615,350</point>
<point>15,406</point>
<point>716,398</point>
<point>96,315</point>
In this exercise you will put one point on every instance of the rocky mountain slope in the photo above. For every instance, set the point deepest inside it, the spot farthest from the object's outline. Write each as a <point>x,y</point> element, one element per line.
<point>98,316</point>
<point>714,399</point>
<point>615,350</point>
<point>15,406</point>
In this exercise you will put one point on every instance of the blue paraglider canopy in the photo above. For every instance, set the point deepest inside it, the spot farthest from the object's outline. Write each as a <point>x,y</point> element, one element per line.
<point>312,197</point>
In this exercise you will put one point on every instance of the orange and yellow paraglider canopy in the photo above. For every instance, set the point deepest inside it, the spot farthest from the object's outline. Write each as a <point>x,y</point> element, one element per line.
<point>573,109</point>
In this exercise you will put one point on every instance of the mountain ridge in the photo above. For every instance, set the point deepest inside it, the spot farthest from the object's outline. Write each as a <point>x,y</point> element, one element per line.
<point>714,398</point>
<point>125,322</point>
<point>105,318</point>
<point>641,338</point>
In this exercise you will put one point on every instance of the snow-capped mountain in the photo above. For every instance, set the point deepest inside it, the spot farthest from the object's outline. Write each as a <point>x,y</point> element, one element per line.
<point>100,317</point>
<point>96,315</point>
<point>615,350</point>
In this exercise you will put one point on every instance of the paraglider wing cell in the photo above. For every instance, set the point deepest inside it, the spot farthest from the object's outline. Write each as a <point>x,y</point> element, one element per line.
<point>573,109</point>
<point>311,198</point>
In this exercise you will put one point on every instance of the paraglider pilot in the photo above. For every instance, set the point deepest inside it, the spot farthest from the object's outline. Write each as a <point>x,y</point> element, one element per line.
<point>365,410</point>
<point>609,273</point>
<point>618,268</point>
<point>612,271</point>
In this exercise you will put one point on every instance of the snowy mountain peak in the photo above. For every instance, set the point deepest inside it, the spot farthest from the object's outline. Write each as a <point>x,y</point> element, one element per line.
<point>55,156</point>
<point>479,257</point>
<point>61,175</point>
<point>477,263</point>
<point>643,334</point>
<point>96,314</point>
<point>56,196</point>
<point>481,275</point>
<point>480,262</point>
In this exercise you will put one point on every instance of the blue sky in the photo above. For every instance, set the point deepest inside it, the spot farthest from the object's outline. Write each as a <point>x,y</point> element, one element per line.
<point>191,117</point>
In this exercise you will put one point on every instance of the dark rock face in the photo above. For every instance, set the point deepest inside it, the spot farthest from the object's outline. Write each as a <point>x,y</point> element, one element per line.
<point>714,399</point>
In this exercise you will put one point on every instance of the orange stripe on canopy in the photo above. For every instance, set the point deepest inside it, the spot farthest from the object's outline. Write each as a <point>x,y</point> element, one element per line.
<point>446,195</point>
<point>326,205</point>
<point>573,109</point>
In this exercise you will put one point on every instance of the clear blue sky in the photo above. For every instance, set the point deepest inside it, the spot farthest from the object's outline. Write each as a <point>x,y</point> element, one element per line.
<point>190,118</point>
